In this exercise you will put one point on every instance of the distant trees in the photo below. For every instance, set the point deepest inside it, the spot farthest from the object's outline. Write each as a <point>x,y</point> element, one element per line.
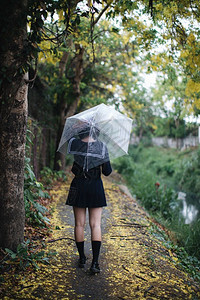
<point>125,42</point>
<point>175,30</point>
<point>95,71</point>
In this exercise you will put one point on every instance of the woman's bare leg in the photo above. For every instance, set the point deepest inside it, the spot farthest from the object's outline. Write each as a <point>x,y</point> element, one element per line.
<point>95,223</point>
<point>80,217</point>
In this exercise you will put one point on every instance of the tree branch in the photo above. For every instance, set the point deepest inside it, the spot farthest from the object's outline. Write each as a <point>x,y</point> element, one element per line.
<point>101,13</point>
<point>34,76</point>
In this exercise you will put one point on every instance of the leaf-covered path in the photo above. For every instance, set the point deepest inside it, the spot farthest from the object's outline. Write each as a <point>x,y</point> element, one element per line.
<point>134,262</point>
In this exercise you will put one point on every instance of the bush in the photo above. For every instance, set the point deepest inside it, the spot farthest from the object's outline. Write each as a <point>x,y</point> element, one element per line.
<point>154,176</point>
<point>48,176</point>
<point>27,255</point>
<point>188,174</point>
<point>33,191</point>
<point>188,235</point>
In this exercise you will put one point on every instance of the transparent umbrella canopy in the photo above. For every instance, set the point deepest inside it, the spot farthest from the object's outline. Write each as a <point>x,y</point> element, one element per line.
<point>108,131</point>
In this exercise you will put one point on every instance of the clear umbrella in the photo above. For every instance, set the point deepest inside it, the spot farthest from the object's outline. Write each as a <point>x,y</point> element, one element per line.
<point>108,134</point>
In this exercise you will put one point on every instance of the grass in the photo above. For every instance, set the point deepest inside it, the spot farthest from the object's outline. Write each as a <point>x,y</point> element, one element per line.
<point>154,176</point>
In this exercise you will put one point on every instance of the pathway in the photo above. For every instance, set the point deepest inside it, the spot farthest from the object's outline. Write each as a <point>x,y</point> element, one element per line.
<point>134,262</point>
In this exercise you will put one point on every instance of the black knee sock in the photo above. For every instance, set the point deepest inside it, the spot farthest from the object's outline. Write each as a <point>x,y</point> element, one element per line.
<point>96,245</point>
<point>80,247</point>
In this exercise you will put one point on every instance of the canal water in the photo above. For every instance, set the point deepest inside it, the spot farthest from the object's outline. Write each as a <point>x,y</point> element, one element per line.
<point>190,207</point>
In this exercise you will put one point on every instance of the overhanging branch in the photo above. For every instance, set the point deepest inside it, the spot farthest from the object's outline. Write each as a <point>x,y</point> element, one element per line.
<point>101,13</point>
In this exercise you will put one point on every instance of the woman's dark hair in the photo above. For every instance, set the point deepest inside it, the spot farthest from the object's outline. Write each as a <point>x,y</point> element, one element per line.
<point>89,131</point>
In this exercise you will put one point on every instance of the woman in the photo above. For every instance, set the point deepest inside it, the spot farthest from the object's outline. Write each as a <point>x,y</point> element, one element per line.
<point>86,190</point>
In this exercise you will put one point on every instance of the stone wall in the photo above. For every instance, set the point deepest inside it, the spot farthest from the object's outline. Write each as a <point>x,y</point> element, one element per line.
<point>187,142</point>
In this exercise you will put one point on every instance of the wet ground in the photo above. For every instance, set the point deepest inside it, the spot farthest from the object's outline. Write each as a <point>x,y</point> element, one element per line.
<point>135,264</point>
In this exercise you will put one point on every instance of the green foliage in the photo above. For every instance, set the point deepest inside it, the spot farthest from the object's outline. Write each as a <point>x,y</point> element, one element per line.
<point>112,68</point>
<point>185,261</point>
<point>26,255</point>
<point>154,176</point>
<point>167,127</point>
<point>153,196</point>
<point>48,176</point>
<point>33,191</point>
<point>37,15</point>
<point>188,174</point>
<point>188,263</point>
<point>188,235</point>
<point>161,163</point>
<point>146,139</point>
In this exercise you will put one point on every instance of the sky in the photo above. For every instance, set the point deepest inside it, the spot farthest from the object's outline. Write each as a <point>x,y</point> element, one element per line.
<point>149,80</point>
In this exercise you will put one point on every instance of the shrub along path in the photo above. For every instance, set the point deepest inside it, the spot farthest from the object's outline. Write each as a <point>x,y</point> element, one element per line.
<point>134,261</point>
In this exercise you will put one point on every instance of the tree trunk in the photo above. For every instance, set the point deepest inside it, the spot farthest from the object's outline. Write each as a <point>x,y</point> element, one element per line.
<point>59,159</point>
<point>13,117</point>
<point>43,148</point>
<point>35,152</point>
<point>12,152</point>
<point>69,110</point>
<point>76,81</point>
<point>177,122</point>
<point>140,133</point>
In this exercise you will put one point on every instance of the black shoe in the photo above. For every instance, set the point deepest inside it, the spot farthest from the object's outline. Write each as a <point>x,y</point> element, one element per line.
<point>95,268</point>
<point>81,262</point>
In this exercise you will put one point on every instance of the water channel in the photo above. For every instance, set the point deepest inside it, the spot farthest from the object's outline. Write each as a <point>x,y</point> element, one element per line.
<point>190,207</point>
